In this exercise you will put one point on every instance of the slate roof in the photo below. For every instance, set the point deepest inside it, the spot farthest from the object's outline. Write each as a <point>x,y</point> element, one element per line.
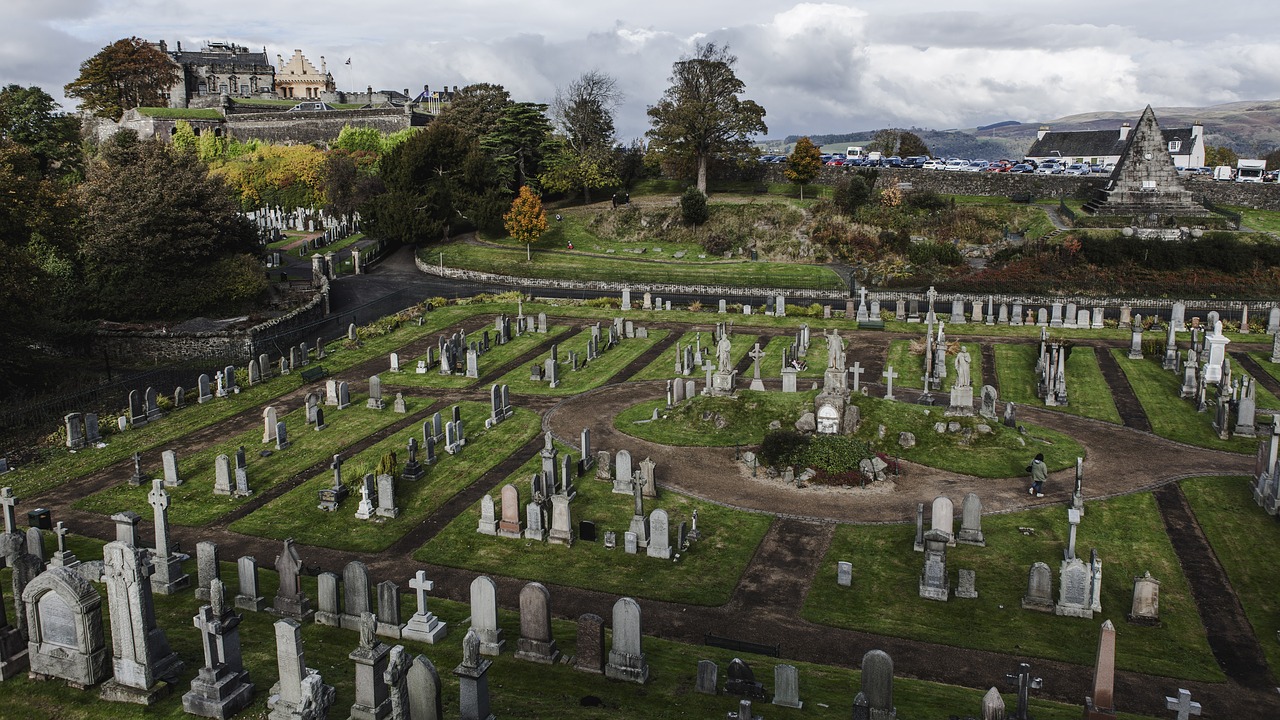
<point>1098,143</point>
<point>220,58</point>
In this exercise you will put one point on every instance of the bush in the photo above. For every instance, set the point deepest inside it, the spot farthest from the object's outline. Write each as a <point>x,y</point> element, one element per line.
<point>926,200</point>
<point>851,193</point>
<point>693,207</point>
<point>835,454</point>
<point>934,253</point>
<point>783,447</point>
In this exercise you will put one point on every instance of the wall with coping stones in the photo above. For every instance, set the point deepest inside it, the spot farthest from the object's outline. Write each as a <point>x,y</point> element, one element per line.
<point>1259,196</point>
<point>304,127</point>
<point>236,346</point>
<point>637,289</point>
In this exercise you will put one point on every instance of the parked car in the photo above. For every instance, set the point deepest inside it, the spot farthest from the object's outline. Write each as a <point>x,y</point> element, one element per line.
<point>1049,167</point>
<point>976,166</point>
<point>956,164</point>
<point>1022,168</point>
<point>837,162</point>
<point>1076,169</point>
<point>934,164</point>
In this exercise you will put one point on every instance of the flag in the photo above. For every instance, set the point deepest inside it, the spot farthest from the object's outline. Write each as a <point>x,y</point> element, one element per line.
<point>348,61</point>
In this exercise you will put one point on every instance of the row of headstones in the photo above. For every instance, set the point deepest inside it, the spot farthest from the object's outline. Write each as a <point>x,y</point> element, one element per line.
<point>776,306</point>
<point>935,583</point>
<point>690,357</point>
<point>303,219</point>
<point>742,681</point>
<point>1051,372</point>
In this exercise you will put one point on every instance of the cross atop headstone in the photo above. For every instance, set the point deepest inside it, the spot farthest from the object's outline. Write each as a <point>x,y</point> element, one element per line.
<point>9,501</point>
<point>931,295</point>
<point>755,354</point>
<point>857,371</point>
<point>158,498</point>
<point>1183,704</point>
<point>421,585</point>
<point>889,375</point>
<point>1025,683</point>
<point>61,531</point>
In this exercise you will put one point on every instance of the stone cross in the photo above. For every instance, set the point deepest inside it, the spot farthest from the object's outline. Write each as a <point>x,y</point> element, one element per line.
<point>756,354</point>
<point>8,500</point>
<point>1182,704</point>
<point>637,487</point>
<point>889,375</point>
<point>857,371</point>
<point>61,531</point>
<point>421,585</point>
<point>158,498</point>
<point>1025,683</point>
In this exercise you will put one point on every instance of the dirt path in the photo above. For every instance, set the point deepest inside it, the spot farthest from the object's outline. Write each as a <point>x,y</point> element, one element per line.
<point>1131,412</point>
<point>1230,635</point>
<point>989,367</point>
<point>1258,373</point>
<point>783,568</point>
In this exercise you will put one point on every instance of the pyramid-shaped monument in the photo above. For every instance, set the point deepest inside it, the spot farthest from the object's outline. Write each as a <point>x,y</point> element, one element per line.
<point>1145,184</point>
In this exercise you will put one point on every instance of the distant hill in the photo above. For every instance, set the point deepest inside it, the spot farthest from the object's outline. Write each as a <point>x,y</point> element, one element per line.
<point>1251,128</point>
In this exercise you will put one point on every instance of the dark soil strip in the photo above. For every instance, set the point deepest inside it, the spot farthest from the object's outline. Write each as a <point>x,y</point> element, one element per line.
<point>744,365</point>
<point>1131,412</point>
<point>1230,636</point>
<point>783,568</point>
<point>989,366</point>
<point>1252,367</point>
<point>654,352</point>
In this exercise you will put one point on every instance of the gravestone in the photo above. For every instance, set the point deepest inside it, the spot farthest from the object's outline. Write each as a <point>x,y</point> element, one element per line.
<point>1074,591</point>
<point>141,658</point>
<point>371,657</point>
<point>1146,601</point>
<point>64,625</point>
<point>290,601</point>
<point>934,582</point>
<point>328,600</point>
<point>536,643</point>
<point>169,460</point>
<point>626,658</point>
<point>423,686</point>
<point>365,508</point>
<point>221,688</point>
<point>167,577</point>
<point>388,614</point>
<point>844,573</point>
<point>248,597</point>
<point>942,518</point>
<point>561,521</point>
<point>423,626</point>
<point>1100,704</point>
<point>488,519</point>
<point>742,680</point>
<point>989,396</point>
<point>875,699</point>
<point>484,616</point>
<point>971,521</point>
<point>786,686</point>
<point>473,683</point>
<point>707,682</point>
<point>300,694</point>
<point>344,395</point>
<point>269,424</point>
<point>1039,589</point>
<point>965,588</point>
<point>511,525</point>
<point>659,545</point>
<point>206,568</point>
<point>221,476</point>
<point>375,401</point>
<point>387,496</point>
<point>590,655</point>
<point>355,594</point>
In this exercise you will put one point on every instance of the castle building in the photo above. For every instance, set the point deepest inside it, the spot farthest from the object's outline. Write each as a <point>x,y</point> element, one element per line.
<point>299,79</point>
<point>216,69</point>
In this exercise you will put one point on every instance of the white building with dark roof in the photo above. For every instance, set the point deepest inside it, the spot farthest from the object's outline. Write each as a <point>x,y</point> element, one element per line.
<point>1099,147</point>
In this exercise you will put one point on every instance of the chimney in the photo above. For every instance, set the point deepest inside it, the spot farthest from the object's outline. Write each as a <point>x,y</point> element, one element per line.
<point>324,69</point>
<point>1197,129</point>
<point>426,90</point>
<point>1124,132</point>
<point>1044,130</point>
<point>406,92</point>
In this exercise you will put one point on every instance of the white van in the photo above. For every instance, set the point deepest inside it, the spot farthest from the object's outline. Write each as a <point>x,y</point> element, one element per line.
<point>1250,171</point>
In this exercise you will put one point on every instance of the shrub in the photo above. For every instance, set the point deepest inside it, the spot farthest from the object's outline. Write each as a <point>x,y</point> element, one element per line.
<point>835,454</point>
<point>934,253</point>
<point>693,207</point>
<point>851,193</point>
<point>783,447</point>
<point>926,200</point>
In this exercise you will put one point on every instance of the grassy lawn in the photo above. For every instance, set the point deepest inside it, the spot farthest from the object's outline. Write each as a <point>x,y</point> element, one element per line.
<point>706,575</point>
<point>557,264</point>
<point>590,375</point>
<point>62,465</point>
<point>573,228</point>
<point>1265,398</point>
<point>745,418</point>
<point>771,364</point>
<point>518,688</point>
<point>193,502</point>
<point>1264,359</point>
<point>910,367</point>
<point>1129,536</point>
<point>663,368</point>
<point>181,113</point>
<point>497,356</point>
<point>1259,220</point>
<point>1088,392</point>
<point>295,514</point>
<point>1002,453</point>
<point>1171,416</point>
<point>1236,527</point>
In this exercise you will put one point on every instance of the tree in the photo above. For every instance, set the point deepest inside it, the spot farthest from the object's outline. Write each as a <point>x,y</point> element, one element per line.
<point>902,143</point>
<point>1216,155</point>
<point>693,207</point>
<point>701,115</point>
<point>804,164</point>
<point>29,117</point>
<point>583,111</point>
<point>527,220</point>
<point>518,143</point>
<point>126,74</point>
<point>852,193</point>
<point>475,108</point>
<point>161,238</point>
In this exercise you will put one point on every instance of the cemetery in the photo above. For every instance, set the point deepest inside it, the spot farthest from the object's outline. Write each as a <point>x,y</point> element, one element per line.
<point>569,508</point>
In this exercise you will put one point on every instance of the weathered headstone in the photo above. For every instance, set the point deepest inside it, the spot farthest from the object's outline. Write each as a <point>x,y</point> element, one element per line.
<point>1039,589</point>
<point>626,658</point>
<point>484,616</point>
<point>875,700</point>
<point>786,686</point>
<point>64,623</point>
<point>222,687</point>
<point>206,568</point>
<point>300,693</point>
<point>971,521</point>
<point>473,682</point>
<point>1146,601</point>
<point>290,601</point>
<point>355,594</point>
<point>536,643</point>
<point>140,649</point>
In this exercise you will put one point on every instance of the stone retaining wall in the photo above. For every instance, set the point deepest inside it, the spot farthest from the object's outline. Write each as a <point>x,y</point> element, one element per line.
<point>637,288</point>
<point>158,346</point>
<point>1259,196</point>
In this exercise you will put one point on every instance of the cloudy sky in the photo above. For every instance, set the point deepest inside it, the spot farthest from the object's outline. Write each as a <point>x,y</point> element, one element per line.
<point>815,67</point>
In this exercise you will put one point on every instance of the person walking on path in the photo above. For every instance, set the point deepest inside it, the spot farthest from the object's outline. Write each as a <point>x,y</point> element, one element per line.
<point>1039,473</point>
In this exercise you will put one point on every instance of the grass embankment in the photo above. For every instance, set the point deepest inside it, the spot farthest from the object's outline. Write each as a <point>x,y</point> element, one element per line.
<point>910,367</point>
<point>497,356</point>
<point>193,502</point>
<point>1236,527</point>
<point>1129,536</point>
<point>589,375</point>
<point>295,514</point>
<point>705,575</point>
<point>1171,416</point>
<point>1001,453</point>
<point>1088,394</point>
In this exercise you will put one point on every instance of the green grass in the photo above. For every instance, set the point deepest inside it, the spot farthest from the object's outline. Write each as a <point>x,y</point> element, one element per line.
<point>1260,220</point>
<point>1265,398</point>
<point>180,113</point>
<point>497,356</point>
<point>573,228</point>
<point>295,514</point>
<point>1002,453</point>
<point>1088,393</point>
<point>556,264</point>
<point>771,364</point>
<point>705,575</point>
<point>1129,536</point>
<point>1236,527</point>
<point>663,367</point>
<point>1264,360</point>
<point>910,367</point>
<point>592,375</point>
<point>1171,416</point>
<point>517,688</point>
<point>193,502</point>
<point>745,418</point>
